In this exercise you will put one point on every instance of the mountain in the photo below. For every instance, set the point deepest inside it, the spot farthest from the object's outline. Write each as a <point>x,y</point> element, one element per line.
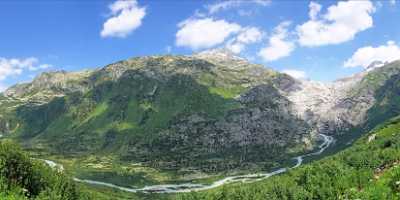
<point>211,111</point>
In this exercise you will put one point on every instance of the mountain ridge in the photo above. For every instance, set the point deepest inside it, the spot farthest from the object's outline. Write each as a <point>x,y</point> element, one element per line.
<point>215,106</point>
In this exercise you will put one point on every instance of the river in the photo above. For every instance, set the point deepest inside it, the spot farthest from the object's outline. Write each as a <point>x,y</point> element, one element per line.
<point>190,187</point>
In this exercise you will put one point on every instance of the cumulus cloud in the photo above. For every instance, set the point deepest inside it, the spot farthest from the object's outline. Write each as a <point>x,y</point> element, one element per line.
<point>366,55</point>
<point>204,33</point>
<point>339,24</point>
<point>203,30</point>
<point>228,4</point>
<point>298,74</point>
<point>279,45</point>
<point>126,16</point>
<point>246,36</point>
<point>15,66</point>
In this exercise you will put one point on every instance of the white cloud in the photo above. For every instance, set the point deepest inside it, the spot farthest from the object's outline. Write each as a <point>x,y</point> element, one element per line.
<point>246,36</point>
<point>228,4</point>
<point>203,30</point>
<point>279,45</point>
<point>235,47</point>
<point>204,33</point>
<point>393,2</point>
<point>42,66</point>
<point>126,16</point>
<point>339,24</point>
<point>15,66</point>
<point>366,55</point>
<point>249,35</point>
<point>298,74</point>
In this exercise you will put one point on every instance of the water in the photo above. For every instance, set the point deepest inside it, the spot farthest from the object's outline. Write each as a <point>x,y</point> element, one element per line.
<point>190,187</point>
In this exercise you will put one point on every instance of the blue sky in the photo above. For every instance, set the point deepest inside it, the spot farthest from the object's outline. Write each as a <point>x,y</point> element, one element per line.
<point>319,40</point>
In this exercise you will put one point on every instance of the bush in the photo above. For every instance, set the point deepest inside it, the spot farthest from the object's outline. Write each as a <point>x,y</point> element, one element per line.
<point>24,178</point>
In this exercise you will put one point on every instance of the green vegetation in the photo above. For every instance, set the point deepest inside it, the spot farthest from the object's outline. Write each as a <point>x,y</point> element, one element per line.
<point>376,79</point>
<point>22,177</point>
<point>25,178</point>
<point>370,169</point>
<point>387,102</point>
<point>227,93</point>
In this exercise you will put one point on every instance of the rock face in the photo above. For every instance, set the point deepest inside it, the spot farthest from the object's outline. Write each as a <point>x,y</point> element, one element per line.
<point>334,108</point>
<point>327,106</point>
<point>264,123</point>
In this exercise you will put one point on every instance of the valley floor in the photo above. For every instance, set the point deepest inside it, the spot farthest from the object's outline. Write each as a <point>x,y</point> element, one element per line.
<point>192,186</point>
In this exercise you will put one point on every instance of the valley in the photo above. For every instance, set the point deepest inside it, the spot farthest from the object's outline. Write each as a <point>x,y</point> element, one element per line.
<point>179,124</point>
<point>193,187</point>
<point>199,100</point>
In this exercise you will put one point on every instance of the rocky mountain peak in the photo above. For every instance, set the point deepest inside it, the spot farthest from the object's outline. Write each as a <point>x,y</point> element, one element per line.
<point>49,84</point>
<point>220,55</point>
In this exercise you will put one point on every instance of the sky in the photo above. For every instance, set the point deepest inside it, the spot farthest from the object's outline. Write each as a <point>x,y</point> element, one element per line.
<point>319,40</point>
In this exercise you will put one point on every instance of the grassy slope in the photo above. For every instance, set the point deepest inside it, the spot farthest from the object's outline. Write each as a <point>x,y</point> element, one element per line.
<point>367,170</point>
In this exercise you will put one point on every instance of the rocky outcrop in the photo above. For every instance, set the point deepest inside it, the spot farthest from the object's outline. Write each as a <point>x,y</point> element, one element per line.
<point>335,108</point>
<point>49,85</point>
<point>264,119</point>
<point>4,126</point>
